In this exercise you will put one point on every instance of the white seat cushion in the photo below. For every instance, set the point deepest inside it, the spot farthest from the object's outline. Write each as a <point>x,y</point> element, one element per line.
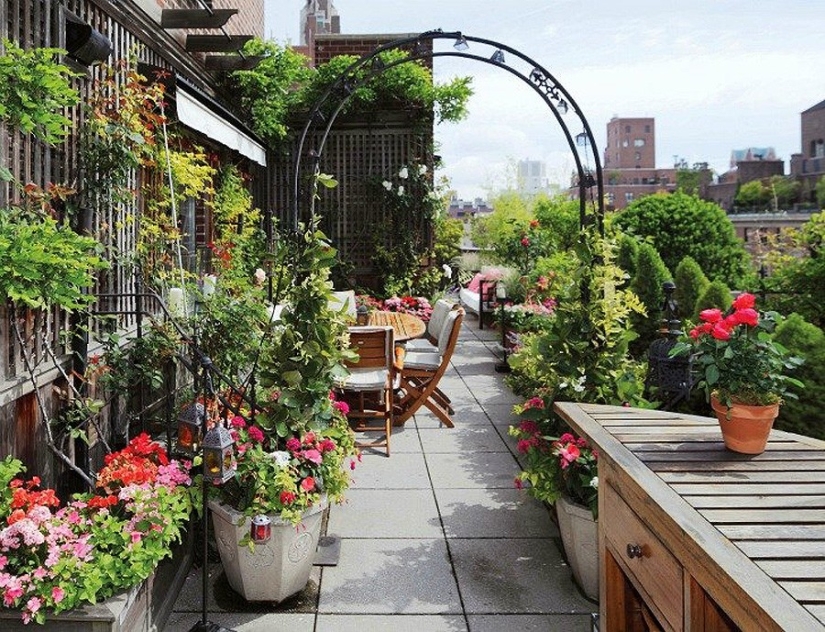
<point>422,360</point>
<point>365,380</point>
<point>420,345</point>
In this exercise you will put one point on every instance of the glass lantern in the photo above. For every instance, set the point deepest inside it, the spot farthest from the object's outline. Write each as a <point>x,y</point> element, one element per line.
<point>218,455</point>
<point>190,428</point>
<point>260,529</point>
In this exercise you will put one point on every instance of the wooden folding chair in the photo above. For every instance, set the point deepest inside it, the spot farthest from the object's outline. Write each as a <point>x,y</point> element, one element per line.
<point>422,372</point>
<point>368,390</point>
<point>429,342</point>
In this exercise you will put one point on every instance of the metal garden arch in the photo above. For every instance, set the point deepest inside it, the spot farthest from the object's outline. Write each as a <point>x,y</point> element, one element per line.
<point>582,145</point>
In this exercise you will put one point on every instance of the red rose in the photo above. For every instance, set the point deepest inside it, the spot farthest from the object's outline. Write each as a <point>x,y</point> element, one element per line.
<point>711,315</point>
<point>744,301</point>
<point>720,332</point>
<point>747,316</point>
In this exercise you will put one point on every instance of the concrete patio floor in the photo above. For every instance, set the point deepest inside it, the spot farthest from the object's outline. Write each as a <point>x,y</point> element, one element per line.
<point>435,538</point>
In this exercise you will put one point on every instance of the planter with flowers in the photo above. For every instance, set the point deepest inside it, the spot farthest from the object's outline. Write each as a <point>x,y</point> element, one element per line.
<point>742,369</point>
<point>55,559</point>
<point>563,471</point>
<point>267,518</point>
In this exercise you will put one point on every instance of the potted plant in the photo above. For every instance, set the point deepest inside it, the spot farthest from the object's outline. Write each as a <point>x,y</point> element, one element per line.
<point>742,370</point>
<point>563,471</point>
<point>267,518</point>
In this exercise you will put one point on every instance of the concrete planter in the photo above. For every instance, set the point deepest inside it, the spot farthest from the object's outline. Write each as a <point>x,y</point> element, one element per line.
<point>277,569</point>
<point>580,537</point>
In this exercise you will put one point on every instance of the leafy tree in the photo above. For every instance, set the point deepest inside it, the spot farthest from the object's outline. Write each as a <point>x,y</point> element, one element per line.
<point>651,273</point>
<point>690,283</point>
<point>680,225</point>
<point>716,294</point>
<point>559,219</point>
<point>752,195</point>
<point>820,192</point>
<point>784,191</point>
<point>802,339</point>
<point>448,235</point>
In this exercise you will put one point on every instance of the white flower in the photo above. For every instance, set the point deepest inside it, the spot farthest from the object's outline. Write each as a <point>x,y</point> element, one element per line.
<point>422,170</point>
<point>579,385</point>
<point>404,173</point>
<point>594,482</point>
<point>387,185</point>
<point>281,458</point>
<point>260,276</point>
<point>434,195</point>
<point>448,271</point>
<point>401,190</point>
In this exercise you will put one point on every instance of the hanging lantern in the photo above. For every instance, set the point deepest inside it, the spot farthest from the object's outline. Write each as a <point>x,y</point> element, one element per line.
<point>261,529</point>
<point>218,455</point>
<point>190,428</point>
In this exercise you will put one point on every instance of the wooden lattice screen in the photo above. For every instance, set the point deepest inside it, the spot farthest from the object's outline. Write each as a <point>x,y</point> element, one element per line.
<point>359,157</point>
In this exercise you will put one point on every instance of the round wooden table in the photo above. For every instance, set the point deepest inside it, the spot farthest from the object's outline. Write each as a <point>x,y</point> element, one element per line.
<point>405,326</point>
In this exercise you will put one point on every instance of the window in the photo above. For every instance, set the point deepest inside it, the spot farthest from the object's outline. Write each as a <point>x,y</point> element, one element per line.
<point>747,235</point>
<point>647,129</point>
<point>624,143</point>
<point>628,197</point>
<point>639,142</point>
<point>627,129</point>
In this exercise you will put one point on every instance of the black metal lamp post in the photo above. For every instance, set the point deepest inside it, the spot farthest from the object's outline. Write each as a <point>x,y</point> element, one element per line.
<point>501,296</point>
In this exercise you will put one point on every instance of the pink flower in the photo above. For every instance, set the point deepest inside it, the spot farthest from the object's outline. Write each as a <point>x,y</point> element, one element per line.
<point>57,594</point>
<point>524,446</point>
<point>720,332</point>
<point>293,444</point>
<point>313,456</point>
<point>342,407</point>
<point>525,242</point>
<point>744,301</point>
<point>568,454</point>
<point>136,536</point>
<point>238,422</point>
<point>308,484</point>
<point>327,445</point>
<point>747,316</point>
<point>534,402</point>
<point>256,434</point>
<point>528,426</point>
<point>518,483</point>
<point>309,438</point>
<point>711,315</point>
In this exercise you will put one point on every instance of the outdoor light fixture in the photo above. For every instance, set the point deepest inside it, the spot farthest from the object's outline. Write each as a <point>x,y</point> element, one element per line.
<point>501,296</point>
<point>190,428</point>
<point>498,57</point>
<point>562,106</point>
<point>84,44</point>
<point>377,64</point>
<point>261,529</point>
<point>582,140</point>
<point>461,43</point>
<point>218,455</point>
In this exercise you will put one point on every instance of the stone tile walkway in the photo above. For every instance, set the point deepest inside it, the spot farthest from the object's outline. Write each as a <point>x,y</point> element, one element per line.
<point>434,538</point>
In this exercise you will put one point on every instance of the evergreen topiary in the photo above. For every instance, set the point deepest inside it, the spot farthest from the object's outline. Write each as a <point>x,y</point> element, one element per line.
<point>690,283</point>
<point>651,273</point>
<point>627,255</point>
<point>716,294</point>
<point>804,415</point>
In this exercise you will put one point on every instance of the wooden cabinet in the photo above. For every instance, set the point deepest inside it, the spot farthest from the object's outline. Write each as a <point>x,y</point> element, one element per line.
<point>696,538</point>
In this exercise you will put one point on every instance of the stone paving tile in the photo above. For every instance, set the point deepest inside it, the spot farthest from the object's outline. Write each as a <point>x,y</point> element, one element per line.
<point>462,439</point>
<point>381,576</point>
<point>472,470</point>
<point>493,513</point>
<point>398,623</point>
<point>399,471</point>
<point>501,412</point>
<point>514,576</point>
<point>403,439</point>
<point>531,623</point>
<point>386,513</point>
<point>245,622</point>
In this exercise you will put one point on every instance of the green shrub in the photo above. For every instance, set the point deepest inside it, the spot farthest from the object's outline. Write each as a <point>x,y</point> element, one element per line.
<point>804,415</point>
<point>651,273</point>
<point>690,283</point>
<point>627,255</point>
<point>716,294</point>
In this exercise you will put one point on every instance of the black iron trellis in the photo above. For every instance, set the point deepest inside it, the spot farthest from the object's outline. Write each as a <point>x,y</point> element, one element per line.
<point>557,98</point>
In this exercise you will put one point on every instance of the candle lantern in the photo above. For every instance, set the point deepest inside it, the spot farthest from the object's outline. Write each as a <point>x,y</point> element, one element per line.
<point>261,529</point>
<point>218,455</point>
<point>190,428</point>
<point>362,315</point>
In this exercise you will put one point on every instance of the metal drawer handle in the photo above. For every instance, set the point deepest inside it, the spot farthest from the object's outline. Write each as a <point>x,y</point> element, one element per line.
<point>634,550</point>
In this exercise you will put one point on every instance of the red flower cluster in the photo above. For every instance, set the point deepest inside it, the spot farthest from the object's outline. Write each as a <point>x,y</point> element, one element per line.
<point>720,326</point>
<point>136,464</point>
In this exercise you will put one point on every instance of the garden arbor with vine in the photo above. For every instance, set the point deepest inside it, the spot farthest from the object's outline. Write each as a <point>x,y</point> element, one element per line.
<point>560,102</point>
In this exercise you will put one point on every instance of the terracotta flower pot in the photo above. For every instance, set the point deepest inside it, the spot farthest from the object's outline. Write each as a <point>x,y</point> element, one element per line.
<point>745,429</point>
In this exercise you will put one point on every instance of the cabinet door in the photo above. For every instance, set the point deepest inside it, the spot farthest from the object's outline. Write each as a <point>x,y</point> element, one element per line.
<point>624,610</point>
<point>705,615</point>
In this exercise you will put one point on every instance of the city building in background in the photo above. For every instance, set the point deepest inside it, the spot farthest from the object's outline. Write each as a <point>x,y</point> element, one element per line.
<point>532,177</point>
<point>808,166</point>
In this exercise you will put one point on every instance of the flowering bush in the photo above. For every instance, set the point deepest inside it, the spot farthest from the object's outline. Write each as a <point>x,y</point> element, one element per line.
<point>288,477</point>
<point>54,557</point>
<point>737,358</point>
<point>555,466</point>
<point>524,317</point>
<point>415,305</point>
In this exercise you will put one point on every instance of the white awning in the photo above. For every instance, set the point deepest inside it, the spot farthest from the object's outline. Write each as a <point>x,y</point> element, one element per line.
<point>198,116</point>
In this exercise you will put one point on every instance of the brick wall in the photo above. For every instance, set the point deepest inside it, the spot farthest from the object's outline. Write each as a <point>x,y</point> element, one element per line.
<point>329,46</point>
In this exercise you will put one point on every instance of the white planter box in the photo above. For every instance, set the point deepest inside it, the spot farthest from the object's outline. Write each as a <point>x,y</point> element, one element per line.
<point>277,569</point>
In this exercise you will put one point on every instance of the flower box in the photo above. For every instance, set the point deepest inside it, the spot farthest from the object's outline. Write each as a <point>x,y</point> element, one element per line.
<point>143,608</point>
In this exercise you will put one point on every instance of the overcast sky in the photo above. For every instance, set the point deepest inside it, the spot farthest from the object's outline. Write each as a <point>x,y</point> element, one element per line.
<point>716,75</point>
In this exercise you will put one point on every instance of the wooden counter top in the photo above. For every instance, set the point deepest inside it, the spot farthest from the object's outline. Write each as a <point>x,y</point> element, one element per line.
<point>750,530</point>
